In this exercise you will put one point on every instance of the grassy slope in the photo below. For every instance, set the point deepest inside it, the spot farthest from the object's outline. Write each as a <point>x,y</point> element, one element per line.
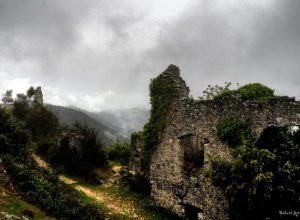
<point>12,204</point>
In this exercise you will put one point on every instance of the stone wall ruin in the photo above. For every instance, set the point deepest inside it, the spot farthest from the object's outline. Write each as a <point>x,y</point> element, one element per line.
<point>181,162</point>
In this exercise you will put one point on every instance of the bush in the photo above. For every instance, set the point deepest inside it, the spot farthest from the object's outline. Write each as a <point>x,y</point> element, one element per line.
<point>44,190</point>
<point>235,131</point>
<point>79,152</point>
<point>262,179</point>
<point>13,135</point>
<point>41,122</point>
<point>252,91</point>
<point>119,152</point>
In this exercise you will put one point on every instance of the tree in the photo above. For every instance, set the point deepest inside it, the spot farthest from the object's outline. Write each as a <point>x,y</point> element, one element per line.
<point>41,122</point>
<point>212,91</point>
<point>92,153</point>
<point>7,97</point>
<point>119,151</point>
<point>21,107</point>
<point>30,92</point>
<point>79,151</point>
<point>13,135</point>
<point>263,178</point>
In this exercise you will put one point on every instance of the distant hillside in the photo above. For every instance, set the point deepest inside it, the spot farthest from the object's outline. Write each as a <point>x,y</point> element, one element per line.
<point>124,121</point>
<point>68,116</point>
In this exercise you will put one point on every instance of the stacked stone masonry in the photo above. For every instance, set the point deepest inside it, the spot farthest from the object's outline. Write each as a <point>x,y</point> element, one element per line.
<point>179,179</point>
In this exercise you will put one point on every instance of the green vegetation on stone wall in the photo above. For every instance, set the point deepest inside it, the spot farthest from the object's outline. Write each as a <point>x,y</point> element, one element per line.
<point>251,91</point>
<point>264,177</point>
<point>160,99</point>
<point>235,131</point>
<point>135,136</point>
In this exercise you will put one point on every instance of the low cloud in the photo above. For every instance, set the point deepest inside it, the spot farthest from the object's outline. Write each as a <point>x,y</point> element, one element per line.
<point>101,55</point>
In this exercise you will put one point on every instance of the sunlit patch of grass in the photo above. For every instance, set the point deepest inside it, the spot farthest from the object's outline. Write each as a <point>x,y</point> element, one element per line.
<point>142,202</point>
<point>18,207</point>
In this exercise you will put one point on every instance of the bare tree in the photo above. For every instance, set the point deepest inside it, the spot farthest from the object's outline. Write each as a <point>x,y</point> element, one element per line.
<point>212,91</point>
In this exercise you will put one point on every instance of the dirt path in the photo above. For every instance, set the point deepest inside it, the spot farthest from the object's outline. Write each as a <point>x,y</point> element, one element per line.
<point>115,205</point>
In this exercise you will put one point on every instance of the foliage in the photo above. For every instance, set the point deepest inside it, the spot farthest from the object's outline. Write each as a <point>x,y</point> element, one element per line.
<point>79,151</point>
<point>30,92</point>
<point>256,91</point>
<point>160,99</point>
<point>7,97</point>
<point>47,192</point>
<point>120,152</point>
<point>252,91</point>
<point>21,107</point>
<point>136,136</point>
<point>13,135</point>
<point>235,131</point>
<point>212,91</point>
<point>263,178</point>
<point>41,122</point>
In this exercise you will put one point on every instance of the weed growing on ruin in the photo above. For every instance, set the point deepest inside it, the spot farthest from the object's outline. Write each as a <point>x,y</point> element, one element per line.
<point>236,131</point>
<point>251,91</point>
<point>263,177</point>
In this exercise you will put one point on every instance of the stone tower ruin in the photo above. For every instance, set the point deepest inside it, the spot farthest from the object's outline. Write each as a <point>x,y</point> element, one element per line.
<point>38,96</point>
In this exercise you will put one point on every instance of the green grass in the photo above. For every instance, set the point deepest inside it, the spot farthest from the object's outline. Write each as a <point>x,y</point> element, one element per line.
<point>13,205</point>
<point>102,208</point>
<point>142,203</point>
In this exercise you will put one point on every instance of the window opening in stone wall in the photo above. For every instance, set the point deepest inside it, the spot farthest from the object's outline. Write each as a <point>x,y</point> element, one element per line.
<point>193,152</point>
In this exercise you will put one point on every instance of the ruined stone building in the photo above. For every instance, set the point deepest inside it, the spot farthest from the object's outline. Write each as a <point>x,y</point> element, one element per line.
<point>178,177</point>
<point>38,96</point>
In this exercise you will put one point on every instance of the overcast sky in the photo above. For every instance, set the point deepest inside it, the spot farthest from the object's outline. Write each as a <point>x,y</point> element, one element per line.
<point>101,54</point>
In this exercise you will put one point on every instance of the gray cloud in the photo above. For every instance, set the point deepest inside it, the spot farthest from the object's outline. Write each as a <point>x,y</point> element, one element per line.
<point>239,44</point>
<point>102,54</point>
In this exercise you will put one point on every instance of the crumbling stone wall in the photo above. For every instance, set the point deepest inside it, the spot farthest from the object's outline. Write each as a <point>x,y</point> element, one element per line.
<point>135,162</point>
<point>180,165</point>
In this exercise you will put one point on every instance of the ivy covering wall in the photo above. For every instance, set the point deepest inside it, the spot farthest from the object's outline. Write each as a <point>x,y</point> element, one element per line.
<point>160,99</point>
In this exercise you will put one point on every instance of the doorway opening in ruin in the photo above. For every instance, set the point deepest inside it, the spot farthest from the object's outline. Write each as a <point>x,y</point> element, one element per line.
<point>192,212</point>
<point>193,152</point>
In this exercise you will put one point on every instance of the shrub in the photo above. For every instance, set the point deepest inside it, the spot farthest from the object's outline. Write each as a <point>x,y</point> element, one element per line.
<point>252,91</point>
<point>119,152</point>
<point>79,154</point>
<point>256,91</point>
<point>41,122</point>
<point>13,135</point>
<point>264,179</point>
<point>43,189</point>
<point>235,131</point>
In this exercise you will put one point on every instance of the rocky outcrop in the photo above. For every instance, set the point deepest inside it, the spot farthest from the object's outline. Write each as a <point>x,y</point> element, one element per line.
<point>180,165</point>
